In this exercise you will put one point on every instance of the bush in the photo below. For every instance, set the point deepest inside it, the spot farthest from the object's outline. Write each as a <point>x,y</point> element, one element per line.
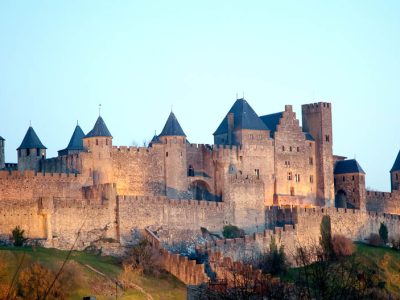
<point>232,231</point>
<point>383,233</point>
<point>326,237</point>
<point>18,236</point>
<point>395,241</point>
<point>274,261</point>
<point>143,259</point>
<point>342,246</point>
<point>374,240</point>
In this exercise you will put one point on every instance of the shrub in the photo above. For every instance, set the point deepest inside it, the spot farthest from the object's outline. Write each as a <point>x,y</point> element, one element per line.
<point>142,258</point>
<point>395,241</point>
<point>232,231</point>
<point>274,261</point>
<point>383,233</point>
<point>326,237</point>
<point>342,246</point>
<point>18,236</point>
<point>374,240</point>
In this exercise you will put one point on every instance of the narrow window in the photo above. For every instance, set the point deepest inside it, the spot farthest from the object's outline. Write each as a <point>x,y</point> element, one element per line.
<point>257,173</point>
<point>292,191</point>
<point>106,142</point>
<point>28,152</point>
<point>97,142</point>
<point>191,171</point>
<point>344,178</point>
<point>327,138</point>
<point>298,149</point>
<point>353,178</point>
<point>397,176</point>
<point>311,179</point>
<point>290,149</point>
<point>166,154</point>
<point>311,160</point>
<point>289,176</point>
<point>283,148</point>
<point>37,152</point>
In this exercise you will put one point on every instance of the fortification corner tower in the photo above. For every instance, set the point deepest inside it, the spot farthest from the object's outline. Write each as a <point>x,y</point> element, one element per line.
<point>2,159</point>
<point>317,120</point>
<point>395,174</point>
<point>174,140</point>
<point>97,162</point>
<point>31,152</point>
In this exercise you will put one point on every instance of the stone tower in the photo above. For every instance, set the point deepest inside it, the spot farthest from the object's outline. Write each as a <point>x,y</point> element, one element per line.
<point>174,140</point>
<point>2,160</point>
<point>97,162</point>
<point>31,153</point>
<point>317,120</point>
<point>349,185</point>
<point>395,174</point>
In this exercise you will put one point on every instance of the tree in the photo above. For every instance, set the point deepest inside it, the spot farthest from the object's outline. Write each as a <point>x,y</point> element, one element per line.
<point>326,237</point>
<point>34,282</point>
<point>231,232</point>
<point>383,233</point>
<point>18,236</point>
<point>142,258</point>
<point>274,261</point>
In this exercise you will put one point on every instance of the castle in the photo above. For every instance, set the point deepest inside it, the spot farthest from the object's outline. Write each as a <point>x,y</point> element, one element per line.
<point>256,162</point>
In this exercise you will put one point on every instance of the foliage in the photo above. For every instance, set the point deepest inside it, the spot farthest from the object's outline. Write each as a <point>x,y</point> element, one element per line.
<point>342,246</point>
<point>274,261</point>
<point>143,259</point>
<point>232,231</point>
<point>326,237</point>
<point>374,240</point>
<point>34,282</point>
<point>383,233</point>
<point>18,236</point>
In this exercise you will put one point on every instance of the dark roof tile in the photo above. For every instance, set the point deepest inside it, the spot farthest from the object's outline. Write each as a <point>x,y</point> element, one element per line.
<point>244,117</point>
<point>348,166</point>
<point>172,127</point>
<point>272,121</point>
<point>99,129</point>
<point>31,140</point>
<point>396,165</point>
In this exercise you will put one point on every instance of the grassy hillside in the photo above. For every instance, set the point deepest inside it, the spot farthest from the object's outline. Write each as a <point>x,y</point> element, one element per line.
<point>83,278</point>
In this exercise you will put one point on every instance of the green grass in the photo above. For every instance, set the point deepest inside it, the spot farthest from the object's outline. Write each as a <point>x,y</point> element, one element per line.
<point>85,281</point>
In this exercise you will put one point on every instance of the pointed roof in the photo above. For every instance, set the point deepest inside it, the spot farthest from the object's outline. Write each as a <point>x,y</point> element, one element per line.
<point>31,140</point>
<point>99,129</point>
<point>172,127</point>
<point>244,117</point>
<point>1,138</point>
<point>396,165</point>
<point>76,142</point>
<point>348,166</point>
<point>272,121</point>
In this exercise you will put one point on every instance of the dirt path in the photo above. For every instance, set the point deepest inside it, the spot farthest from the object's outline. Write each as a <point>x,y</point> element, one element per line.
<point>137,287</point>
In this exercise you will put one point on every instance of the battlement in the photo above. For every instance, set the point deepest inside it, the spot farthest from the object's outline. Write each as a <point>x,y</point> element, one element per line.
<point>212,205</point>
<point>315,107</point>
<point>32,174</point>
<point>133,149</point>
<point>202,146</point>
<point>378,195</point>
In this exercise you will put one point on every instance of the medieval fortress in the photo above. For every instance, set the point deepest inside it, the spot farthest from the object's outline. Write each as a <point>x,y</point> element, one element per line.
<point>262,171</point>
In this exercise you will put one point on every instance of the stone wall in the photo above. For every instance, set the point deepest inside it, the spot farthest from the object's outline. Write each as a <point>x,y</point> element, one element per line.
<point>383,202</point>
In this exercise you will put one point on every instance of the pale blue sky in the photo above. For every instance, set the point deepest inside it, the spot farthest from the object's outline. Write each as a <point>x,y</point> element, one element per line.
<point>60,59</point>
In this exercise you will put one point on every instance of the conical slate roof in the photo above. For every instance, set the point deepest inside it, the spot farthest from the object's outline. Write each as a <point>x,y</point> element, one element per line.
<point>31,140</point>
<point>1,139</point>
<point>172,127</point>
<point>99,129</point>
<point>76,142</point>
<point>244,117</point>
<point>348,166</point>
<point>396,166</point>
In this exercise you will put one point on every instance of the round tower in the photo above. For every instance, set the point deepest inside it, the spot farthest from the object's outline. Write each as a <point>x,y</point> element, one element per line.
<point>31,153</point>
<point>2,161</point>
<point>97,162</point>
<point>175,166</point>
<point>395,174</point>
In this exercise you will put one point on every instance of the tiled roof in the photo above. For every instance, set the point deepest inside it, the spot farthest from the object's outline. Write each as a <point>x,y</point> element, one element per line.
<point>76,142</point>
<point>1,139</point>
<point>172,127</point>
<point>348,166</point>
<point>272,121</point>
<point>309,137</point>
<point>99,129</point>
<point>244,117</point>
<point>31,140</point>
<point>396,165</point>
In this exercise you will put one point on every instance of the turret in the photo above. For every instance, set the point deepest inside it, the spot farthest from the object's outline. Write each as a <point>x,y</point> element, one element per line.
<point>31,153</point>
<point>174,140</point>
<point>241,126</point>
<point>349,185</point>
<point>98,143</point>
<point>75,144</point>
<point>317,120</point>
<point>2,161</point>
<point>395,174</point>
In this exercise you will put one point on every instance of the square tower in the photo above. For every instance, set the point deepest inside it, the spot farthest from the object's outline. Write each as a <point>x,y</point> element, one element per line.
<point>317,120</point>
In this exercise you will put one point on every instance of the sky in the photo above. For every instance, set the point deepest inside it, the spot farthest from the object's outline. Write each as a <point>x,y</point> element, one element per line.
<point>60,59</point>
